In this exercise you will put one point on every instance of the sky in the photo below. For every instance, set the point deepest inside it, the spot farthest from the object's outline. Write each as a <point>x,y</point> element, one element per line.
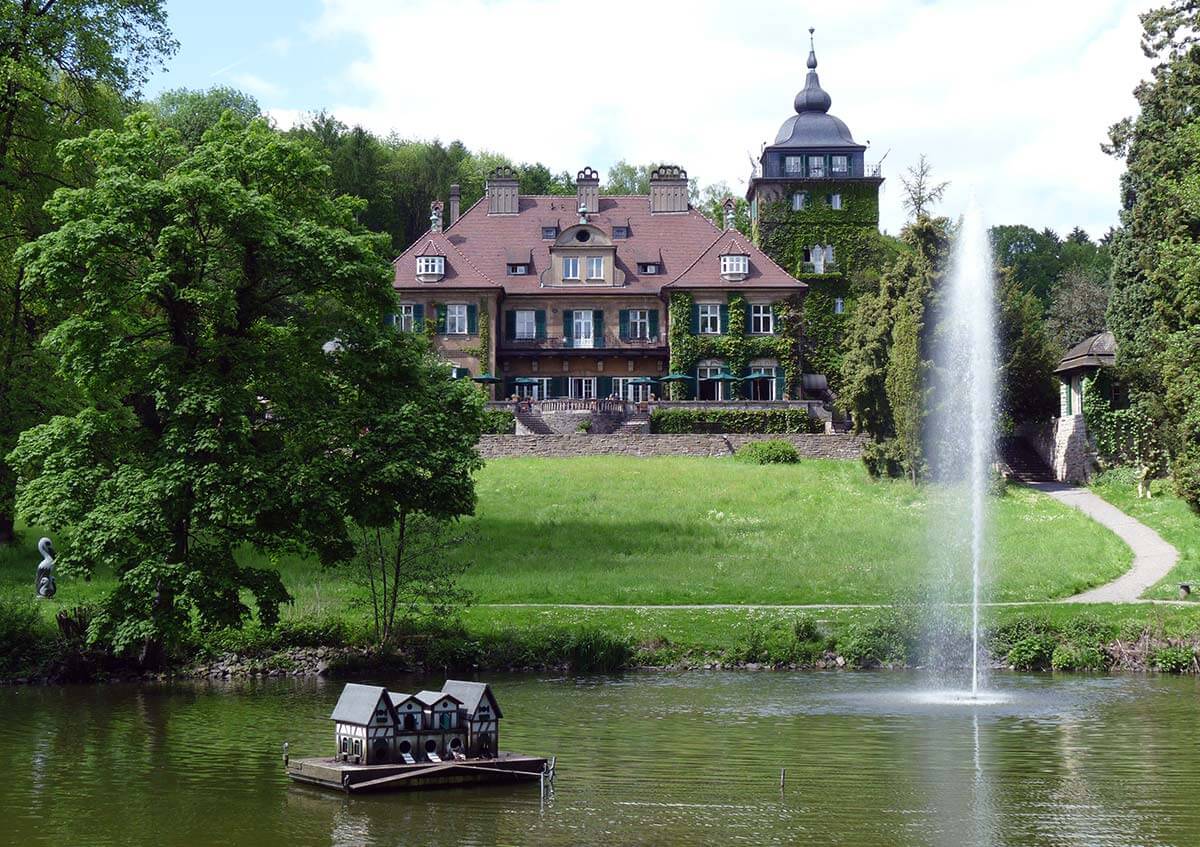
<point>1009,100</point>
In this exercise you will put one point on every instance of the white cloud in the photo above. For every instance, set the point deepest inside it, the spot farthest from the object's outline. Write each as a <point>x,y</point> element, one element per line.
<point>1009,100</point>
<point>257,85</point>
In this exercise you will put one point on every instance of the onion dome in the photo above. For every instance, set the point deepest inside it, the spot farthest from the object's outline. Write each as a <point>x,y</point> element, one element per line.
<point>812,125</point>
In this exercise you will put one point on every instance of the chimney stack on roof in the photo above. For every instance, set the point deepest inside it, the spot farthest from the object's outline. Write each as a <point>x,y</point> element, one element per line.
<point>435,216</point>
<point>455,202</point>
<point>502,194</point>
<point>587,190</point>
<point>668,189</point>
<point>730,207</point>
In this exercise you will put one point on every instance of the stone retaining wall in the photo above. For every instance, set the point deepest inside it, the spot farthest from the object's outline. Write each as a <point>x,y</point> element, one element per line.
<point>1063,445</point>
<point>839,446</point>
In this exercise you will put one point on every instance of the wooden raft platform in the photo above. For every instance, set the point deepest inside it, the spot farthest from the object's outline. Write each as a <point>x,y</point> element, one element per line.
<point>351,778</point>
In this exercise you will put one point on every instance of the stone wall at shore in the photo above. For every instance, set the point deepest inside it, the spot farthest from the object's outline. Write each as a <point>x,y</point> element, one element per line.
<point>818,446</point>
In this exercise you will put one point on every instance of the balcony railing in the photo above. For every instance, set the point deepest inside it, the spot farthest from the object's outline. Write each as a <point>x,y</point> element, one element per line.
<point>822,268</point>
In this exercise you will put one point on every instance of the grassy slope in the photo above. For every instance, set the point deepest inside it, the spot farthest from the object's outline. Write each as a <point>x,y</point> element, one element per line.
<point>1171,518</point>
<point>626,530</point>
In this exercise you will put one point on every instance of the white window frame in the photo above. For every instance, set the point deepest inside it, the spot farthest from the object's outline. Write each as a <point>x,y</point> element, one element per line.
<point>649,268</point>
<point>525,325</point>
<point>793,164</point>
<point>639,324</point>
<point>581,319</point>
<point>816,166</point>
<point>623,389</point>
<point>799,201</point>
<point>581,387</point>
<point>428,265</point>
<point>765,370</point>
<point>708,315</point>
<point>839,306</point>
<point>535,392</point>
<point>570,267</point>
<point>734,264</point>
<point>762,319</point>
<point>518,269</point>
<point>595,267</point>
<point>406,315</point>
<point>456,319</point>
<point>839,165</point>
<point>704,371</point>
<point>835,202</point>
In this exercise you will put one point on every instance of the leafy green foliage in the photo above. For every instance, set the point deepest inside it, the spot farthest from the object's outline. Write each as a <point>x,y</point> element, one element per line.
<point>192,113</point>
<point>771,452</point>
<point>499,422</point>
<point>887,640</point>
<point>194,291</point>
<point>682,421</point>
<point>1174,659</point>
<point>1154,309</point>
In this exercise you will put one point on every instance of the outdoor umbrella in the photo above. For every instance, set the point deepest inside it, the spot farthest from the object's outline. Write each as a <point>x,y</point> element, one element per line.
<point>676,378</point>
<point>488,378</point>
<point>525,380</point>
<point>723,376</point>
<point>643,380</point>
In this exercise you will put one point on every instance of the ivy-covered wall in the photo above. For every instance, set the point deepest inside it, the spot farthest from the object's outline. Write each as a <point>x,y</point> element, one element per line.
<point>853,231</point>
<point>734,346</point>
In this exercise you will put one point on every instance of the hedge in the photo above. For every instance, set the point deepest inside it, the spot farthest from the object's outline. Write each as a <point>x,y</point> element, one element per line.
<point>685,421</point>
<point>499,422</point>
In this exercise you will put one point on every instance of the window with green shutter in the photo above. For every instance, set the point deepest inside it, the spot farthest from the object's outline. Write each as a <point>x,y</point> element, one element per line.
<point>419,317</point>
<point>568,328</point>
<point>724,318</point>
<point>539,320</point>
<point>440,312</point>
<point>472,319</point>
<point>510,325</point>
<point>654,324</point>
<point>597,328</point>
<point>623,320</point>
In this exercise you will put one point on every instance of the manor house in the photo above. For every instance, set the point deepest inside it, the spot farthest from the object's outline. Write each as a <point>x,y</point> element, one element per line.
<point>598,296</point>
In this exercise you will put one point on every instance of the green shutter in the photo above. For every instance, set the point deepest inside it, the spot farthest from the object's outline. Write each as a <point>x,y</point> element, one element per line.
<point>623,320</point>
<point>748,325</point>
<point>510,325</point>
<point>510,387</point>
<point>604,386</point>
<point>695,319</point>
<point>597,328</point>
<point>472,319</point>
<point>780,384</point>
<point>419,318</point>
<point>654,324</point>
<point>441,317</point>
<point>558,386</point>
<point>724,318</point>
<point>539,320</point>
<point>568,329</point>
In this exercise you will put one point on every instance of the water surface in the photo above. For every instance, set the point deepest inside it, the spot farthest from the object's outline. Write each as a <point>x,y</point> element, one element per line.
<point>665,759</point>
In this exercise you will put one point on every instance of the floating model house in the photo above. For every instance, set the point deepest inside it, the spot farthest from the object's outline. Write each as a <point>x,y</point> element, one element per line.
<point>375,726</point>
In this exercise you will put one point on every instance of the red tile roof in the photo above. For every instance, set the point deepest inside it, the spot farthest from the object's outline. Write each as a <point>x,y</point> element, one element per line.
<point>705,272</point>
<point>479,248</point>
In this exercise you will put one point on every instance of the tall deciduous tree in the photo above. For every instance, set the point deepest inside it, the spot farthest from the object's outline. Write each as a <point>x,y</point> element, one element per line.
<point>65,67</point>
<point>192,113</point>
<point>1077,308</point>
<point>193,293</point>
<point>1154,307</point>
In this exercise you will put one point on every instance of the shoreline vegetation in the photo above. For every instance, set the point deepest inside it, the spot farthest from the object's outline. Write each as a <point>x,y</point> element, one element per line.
<point>589,525</point>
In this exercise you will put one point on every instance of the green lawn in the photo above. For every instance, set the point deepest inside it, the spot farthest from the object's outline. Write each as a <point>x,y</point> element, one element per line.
<point>1171,518</point>
<point>623,530</point>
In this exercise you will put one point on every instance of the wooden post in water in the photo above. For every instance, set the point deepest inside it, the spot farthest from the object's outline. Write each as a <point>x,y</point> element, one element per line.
<point>782,778</point>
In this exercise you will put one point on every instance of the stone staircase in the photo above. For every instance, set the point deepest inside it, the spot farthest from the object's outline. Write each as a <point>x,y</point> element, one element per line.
<point>1023,464</point>
<point>531,423</point>
<point>637,423</point>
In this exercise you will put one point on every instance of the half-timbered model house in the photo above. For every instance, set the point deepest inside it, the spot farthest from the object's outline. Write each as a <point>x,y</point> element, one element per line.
<point>364,724</point>
<point>480,714</point>
<point>443,736</point>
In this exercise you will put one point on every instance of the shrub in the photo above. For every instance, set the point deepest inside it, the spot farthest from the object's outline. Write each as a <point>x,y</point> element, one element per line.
<point>1031,653</point>
<point>593,650</point>
<point>804,628</point>
<point>499,422</point>
<point>997,485</point>
<point>1071,657</point>
<point>1185,471</point>
<point>584,426</point>
<point>771,421</point>
<point>1122,475</point>
<point>772,452</point>
<point>21,634</point>
<point>882,459</point>
<point>1173,659</point>
<point>882,641</point>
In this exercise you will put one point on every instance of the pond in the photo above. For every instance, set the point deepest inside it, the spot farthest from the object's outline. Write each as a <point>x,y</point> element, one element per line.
<point>646,758</point>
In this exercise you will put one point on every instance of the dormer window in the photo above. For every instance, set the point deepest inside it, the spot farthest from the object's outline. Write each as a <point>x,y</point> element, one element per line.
<point>648,268</point>
<point>570,267</point>
<point>735,266</point>
<point>549,233</point>
<point>620,232</point>
<point>431,268</point>
<point>518,269</point>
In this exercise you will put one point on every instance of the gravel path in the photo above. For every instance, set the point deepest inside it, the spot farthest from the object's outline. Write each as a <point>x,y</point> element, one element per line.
<point>1153,558</point>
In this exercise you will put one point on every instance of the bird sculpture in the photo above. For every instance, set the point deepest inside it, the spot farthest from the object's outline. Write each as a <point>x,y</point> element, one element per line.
<point>46,586</point>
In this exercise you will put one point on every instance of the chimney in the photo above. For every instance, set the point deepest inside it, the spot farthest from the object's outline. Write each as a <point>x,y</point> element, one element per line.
<point>668,189</point>
<point>587,190</point>
<point>455,202</point>
<point>502,191</point>
<point>730,207</point>
<point>435,216</point>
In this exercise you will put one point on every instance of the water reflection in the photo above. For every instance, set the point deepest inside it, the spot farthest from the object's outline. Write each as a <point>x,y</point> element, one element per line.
<point>674,759</point>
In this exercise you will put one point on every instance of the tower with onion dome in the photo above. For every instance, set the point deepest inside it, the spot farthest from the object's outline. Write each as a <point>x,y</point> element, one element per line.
<point>814,209</point>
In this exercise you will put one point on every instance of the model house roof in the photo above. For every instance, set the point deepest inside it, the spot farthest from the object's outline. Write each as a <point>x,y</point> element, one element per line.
<point>480,247</point>
<point>1098,351</point>
<point>470,694</point>
<point>357,703</point>
<point>431,697</point>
